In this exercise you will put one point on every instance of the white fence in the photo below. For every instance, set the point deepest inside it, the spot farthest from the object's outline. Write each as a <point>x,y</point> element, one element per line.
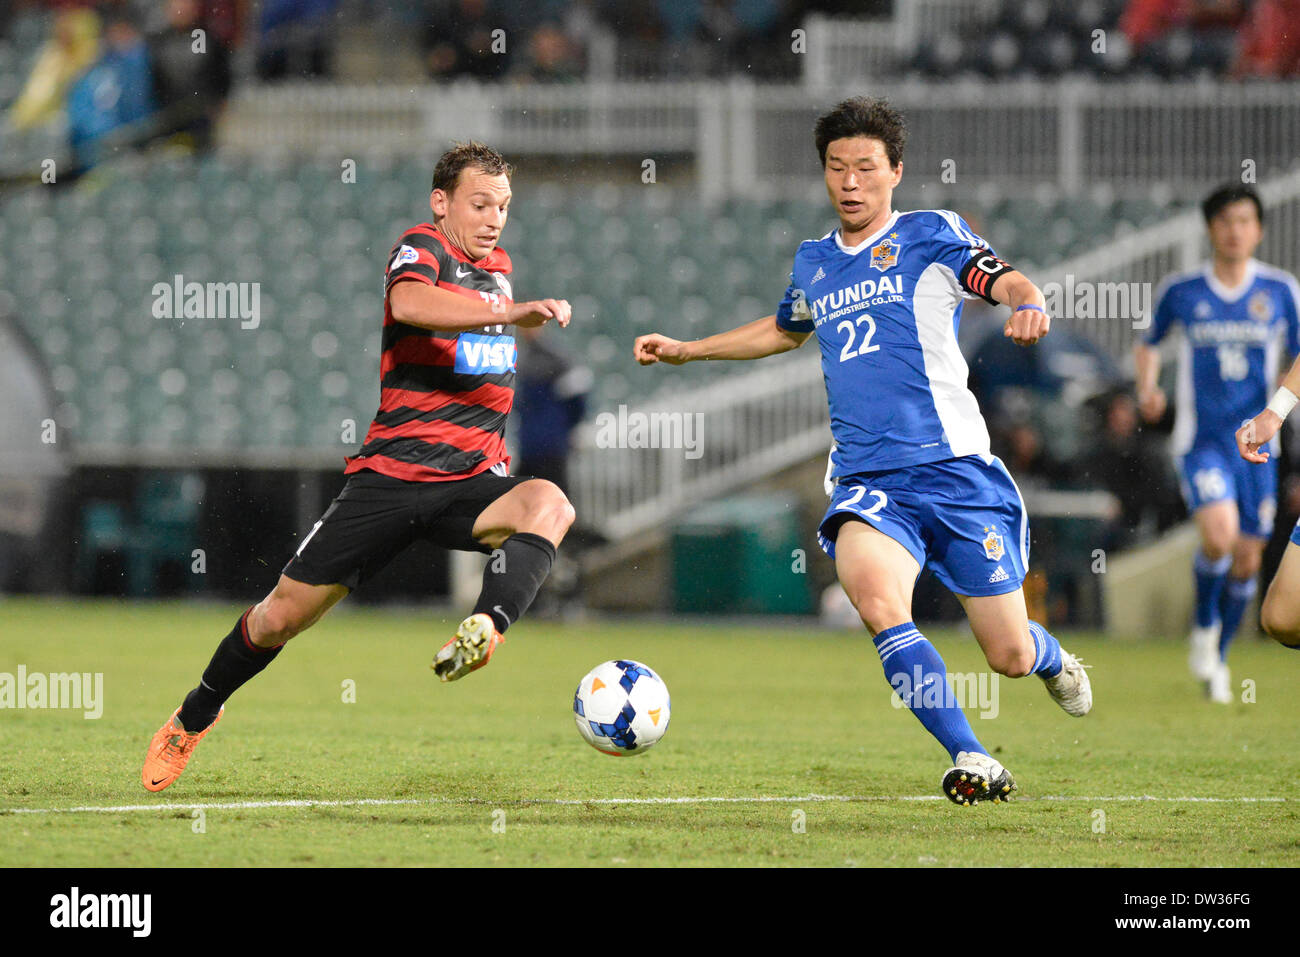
<point>750,425</point>
<point>854,50</point>
<point>1141,259</point>
<point>755,140</point>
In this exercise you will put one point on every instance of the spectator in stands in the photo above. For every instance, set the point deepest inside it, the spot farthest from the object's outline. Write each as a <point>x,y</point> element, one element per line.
<point>190,82</point>
<point>1019,443</point>
<point>740,32</point>
<point>1174,36</point>
<point>1270,41</point>
<point>110,105</point>
<point>72,48</point>
<point>221,18</point>
<point>1133,469</point>
<point>224,19</point>
<point>550,401</point>
<point>297,39</point>
<point>461,40</point>
<point>551,57</point>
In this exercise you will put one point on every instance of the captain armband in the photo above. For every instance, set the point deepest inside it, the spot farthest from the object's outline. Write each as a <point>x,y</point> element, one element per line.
<point>979,274</point>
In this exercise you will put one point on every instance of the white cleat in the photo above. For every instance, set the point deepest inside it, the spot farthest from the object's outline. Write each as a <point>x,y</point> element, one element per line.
<point>1071,688</point>
<point>1221,684</point>
<point>977,777</point>
<point>1203,651</point>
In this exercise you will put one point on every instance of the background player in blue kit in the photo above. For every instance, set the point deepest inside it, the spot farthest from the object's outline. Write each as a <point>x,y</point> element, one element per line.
<point>1234,314</point>
<point>912,479</point>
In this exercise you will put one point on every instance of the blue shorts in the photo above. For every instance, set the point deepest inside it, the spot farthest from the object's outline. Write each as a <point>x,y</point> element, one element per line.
<point>962,517</point>
<point>1210,474</point>
<point>1295,534</point>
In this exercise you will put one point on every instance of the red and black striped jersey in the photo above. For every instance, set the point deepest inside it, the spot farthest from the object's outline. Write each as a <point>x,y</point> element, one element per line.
<point>443,396</point>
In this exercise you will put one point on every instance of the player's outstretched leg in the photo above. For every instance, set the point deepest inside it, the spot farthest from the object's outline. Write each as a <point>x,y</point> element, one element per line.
<point>916,671</point>
<point>877,574</point>
<point>523,527</point>
<point>1017,647</point>
<point>252,644</point>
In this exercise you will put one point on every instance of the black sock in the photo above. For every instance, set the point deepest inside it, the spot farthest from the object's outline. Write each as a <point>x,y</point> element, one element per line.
<point>235,661</point>
<point>511,579</point>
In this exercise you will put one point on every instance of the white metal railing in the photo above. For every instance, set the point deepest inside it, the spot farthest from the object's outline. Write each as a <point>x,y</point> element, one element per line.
<point>761,422</point>
<point>844,50</point>
<point>1141,259</point>
<point>750,425</point>
<point>749,140</point>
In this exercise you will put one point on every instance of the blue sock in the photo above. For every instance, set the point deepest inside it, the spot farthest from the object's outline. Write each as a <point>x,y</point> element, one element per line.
<point>912,666</point>
<point>1210,576</point>
<point>1236,596</point>
<point>1047,652</point>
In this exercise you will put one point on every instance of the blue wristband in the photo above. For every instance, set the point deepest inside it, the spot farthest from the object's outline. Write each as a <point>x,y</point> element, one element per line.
<point>1035,308</point>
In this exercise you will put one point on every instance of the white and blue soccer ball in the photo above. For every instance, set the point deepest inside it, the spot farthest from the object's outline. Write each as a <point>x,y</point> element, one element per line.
<point>621,707</point>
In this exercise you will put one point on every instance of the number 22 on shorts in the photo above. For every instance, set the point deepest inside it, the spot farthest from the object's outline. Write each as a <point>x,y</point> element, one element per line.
<point>851,503</point>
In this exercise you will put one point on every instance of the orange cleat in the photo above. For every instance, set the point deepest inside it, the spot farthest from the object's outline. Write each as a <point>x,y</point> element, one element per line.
<point>170,751</point>
<point>476,639</point>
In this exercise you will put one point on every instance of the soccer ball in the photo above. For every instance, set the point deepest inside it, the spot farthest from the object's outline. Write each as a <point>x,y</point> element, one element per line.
<point>621,707</point>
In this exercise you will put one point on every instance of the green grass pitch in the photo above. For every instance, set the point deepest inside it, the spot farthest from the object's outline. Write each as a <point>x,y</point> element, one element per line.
<point>492,772</point>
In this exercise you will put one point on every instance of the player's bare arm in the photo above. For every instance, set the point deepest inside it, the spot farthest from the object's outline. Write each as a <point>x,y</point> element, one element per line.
<point>1259,431</point>
<point>754,340</point>
<point>428,307</point>
<point>1151,398</point>
<point>1025,326</point>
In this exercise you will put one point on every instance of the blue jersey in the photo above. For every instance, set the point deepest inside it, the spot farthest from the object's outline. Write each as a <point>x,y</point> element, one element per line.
<point>1230,350</point>
<point>886,313</point>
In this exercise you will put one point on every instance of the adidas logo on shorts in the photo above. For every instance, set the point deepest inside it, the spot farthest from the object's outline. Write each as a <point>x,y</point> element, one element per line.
<point>998,576</point>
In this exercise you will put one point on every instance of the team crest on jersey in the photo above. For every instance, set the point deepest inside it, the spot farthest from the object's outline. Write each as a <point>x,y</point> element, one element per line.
<point>504,283</point>
<point>1203,310</point>
<point>1260,307</point>
<point>993,549</point>
<point>884,255</point>
<point>405,254</point>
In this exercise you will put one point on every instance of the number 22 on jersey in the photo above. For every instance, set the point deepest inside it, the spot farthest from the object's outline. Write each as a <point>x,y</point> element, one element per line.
<point>848,352</point>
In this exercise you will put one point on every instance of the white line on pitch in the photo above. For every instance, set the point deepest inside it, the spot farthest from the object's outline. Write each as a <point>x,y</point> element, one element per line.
<point>578,802</point>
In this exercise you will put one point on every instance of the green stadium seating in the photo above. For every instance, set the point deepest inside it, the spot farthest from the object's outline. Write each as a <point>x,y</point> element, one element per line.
<point>631,260</point>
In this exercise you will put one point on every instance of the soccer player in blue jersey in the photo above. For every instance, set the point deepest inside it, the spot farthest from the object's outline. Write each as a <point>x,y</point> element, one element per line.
<point>1234,314</point>
<point>912,478</point>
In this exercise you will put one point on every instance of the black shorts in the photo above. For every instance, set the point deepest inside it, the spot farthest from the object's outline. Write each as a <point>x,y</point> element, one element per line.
<point>376,516</point>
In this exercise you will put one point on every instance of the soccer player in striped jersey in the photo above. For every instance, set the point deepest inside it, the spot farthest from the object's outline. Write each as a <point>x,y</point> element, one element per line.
<point>1235,314</point>
<point>913,482</point>
<point>433,465</point>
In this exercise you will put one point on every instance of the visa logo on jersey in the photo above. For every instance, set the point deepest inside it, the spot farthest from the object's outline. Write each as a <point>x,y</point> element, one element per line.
<point>478,354</point>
